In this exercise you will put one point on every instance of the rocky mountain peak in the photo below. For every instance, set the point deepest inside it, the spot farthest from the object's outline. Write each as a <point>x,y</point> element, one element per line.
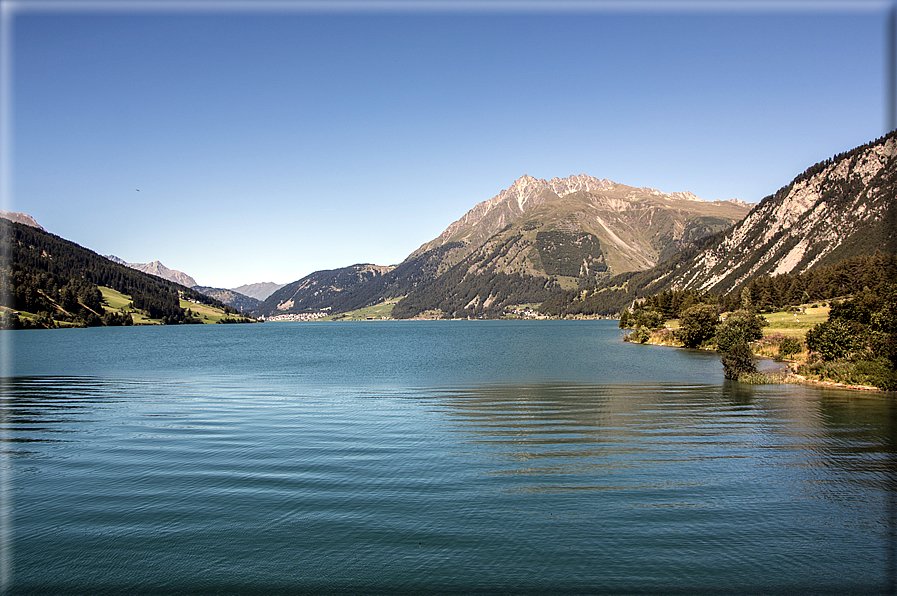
<point>578,183</point>
<point>159,270</point>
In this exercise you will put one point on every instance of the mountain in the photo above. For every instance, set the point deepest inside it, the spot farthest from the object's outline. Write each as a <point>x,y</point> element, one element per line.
<point>259,291</point>
<point>322,290</point>
<point>540,237</point>
<point>159,270</point>
<point>529,241</point>
<point>22,218</point>
<point>54,279</point>
<point>357,286</point>
<point>638,226</point>
<point>840,208</point>
<point>232,298</point>
<point>837,209</point>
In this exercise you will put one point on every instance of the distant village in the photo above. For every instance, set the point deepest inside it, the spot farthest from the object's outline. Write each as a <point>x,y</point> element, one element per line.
<point>302,316</point>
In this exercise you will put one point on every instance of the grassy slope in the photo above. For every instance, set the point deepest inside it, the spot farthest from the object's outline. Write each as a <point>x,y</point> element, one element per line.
<point>116,301</point>
<point>377,312</point>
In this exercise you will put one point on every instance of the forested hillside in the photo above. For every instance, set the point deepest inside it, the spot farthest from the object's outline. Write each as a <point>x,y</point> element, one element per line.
<point>355,287</point>
<point>848,277</point>
<point>58,280</point>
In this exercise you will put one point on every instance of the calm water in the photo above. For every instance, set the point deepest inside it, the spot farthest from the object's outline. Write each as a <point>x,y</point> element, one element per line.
<point>431,457</point>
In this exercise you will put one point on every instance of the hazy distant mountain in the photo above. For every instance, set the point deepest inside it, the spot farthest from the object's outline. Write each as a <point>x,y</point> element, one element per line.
<point>232,298</point>
<point>840,208</point>
<point>22,218</point>
<point>259,291</point>
<point>158,269</point>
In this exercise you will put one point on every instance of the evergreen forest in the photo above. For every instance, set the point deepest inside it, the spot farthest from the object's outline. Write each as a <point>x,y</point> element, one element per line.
<point>58,281</point>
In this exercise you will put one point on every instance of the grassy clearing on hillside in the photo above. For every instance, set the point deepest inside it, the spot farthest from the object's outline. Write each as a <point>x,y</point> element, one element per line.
<point>797,320</point>
<point>377,312</point>
<point>116,301</point>
<point>207,314</point>
<point>113,299</point>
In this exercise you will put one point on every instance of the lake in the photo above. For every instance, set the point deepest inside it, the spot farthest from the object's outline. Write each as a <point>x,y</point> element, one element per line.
<point>441,457</point>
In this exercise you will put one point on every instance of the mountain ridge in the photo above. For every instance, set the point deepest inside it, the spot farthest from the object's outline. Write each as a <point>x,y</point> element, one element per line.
<point>159,270</point>
<point>537,234</point>
<point>836,210</point>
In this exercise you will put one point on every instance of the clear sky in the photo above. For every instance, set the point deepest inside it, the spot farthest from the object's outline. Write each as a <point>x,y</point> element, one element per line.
<point>268,143</point>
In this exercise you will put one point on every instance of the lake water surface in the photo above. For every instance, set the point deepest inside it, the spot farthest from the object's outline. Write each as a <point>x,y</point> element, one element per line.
<point>430,457</point>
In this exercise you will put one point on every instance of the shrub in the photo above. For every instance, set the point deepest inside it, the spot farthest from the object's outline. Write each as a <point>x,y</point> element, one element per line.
<point>697,325</point>
<point>638,335</point>
<point>759,378</point>
<point>737,361</point>
<point>832,339</point>
<point>733,339</point>
<point>789,346</point>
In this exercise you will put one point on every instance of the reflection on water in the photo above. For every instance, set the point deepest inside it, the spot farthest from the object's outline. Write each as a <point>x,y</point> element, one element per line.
<point>242,483</point>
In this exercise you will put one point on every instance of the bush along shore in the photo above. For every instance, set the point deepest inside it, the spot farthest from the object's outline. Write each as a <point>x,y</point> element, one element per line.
<point>848,342</point>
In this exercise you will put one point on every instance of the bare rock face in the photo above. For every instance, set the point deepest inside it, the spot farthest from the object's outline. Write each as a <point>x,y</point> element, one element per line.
<point>22,218</point>
<point>837,209</point>
<point>520,246</point>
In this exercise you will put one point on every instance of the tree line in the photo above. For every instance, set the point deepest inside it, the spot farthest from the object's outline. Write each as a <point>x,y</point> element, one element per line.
<point>58,280</point>
<point>769,293</point>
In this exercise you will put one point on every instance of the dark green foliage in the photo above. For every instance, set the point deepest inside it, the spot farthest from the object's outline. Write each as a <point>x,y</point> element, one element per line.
<point>789,346</point>
<point>640,316</point>
<point>847,277</point>
<point>570,254</point>
<point>58,279</point>
<point>871,373</point>
<point>650,319</point>
<point>673,303</point>
<point>358,286</point>
<point>858,343</point>
<point>697,324</point>
<point>473,288</point>
<point>639,335</point>
<point>833,339</point>
<point>613,294</point>
<point>737,361</point>
<point>234,320</point>
<point>624,319</point>
<point>733,338</point>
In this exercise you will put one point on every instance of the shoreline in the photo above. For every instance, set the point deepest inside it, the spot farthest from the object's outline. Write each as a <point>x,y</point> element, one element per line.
<point>790,377</point>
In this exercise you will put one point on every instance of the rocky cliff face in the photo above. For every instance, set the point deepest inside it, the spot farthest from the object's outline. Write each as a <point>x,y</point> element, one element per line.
<point>837,209</point>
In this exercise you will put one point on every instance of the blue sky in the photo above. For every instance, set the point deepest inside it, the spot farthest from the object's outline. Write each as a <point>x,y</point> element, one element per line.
<point>268,144</point>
